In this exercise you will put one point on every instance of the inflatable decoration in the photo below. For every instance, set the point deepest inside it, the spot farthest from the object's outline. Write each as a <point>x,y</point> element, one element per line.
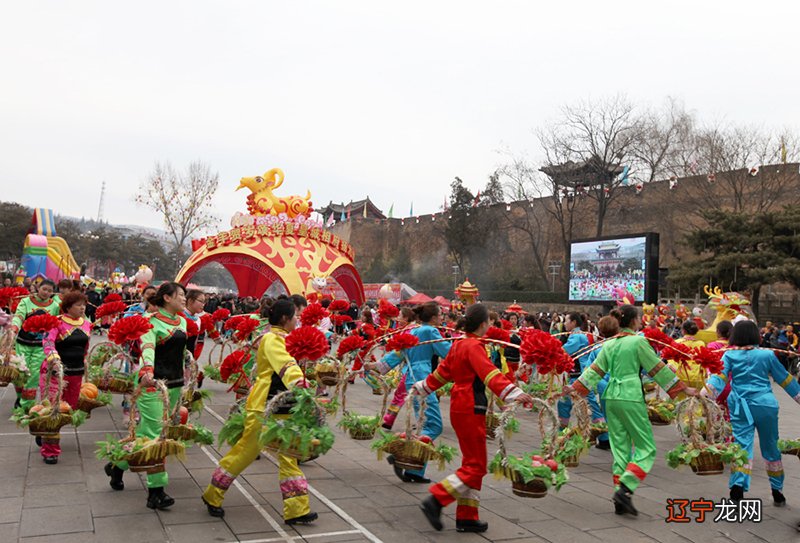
<point>143,275</point>
<point>723,306</point>
<point>277,243</point>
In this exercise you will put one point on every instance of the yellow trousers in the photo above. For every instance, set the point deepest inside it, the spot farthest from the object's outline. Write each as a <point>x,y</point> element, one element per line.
<point>293,484</point>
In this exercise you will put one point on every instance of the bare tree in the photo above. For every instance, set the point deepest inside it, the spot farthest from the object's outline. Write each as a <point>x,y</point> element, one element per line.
<point>665,143</point>
<point>586,148</point>
<point>182,198</point>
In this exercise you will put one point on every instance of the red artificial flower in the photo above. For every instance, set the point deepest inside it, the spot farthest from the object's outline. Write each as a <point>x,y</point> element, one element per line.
<point>339,320</point>
<point>233,322</point>
<point>206,323</point>
<point>387,310</point>
<point>677,352</point>
<point>307,343</point>
<point>709,359</point>
<point>220,315</point>
<point>506,325</point>
<point>113,297</point>
<point>232,364</point>
<point>658,339</point>
<point>10,297</point>
<point>245,327</point>
<point>350,344</point>
<point>192,329</point>
<point>129,329</point>
<point>313,314</point>
<point>339,305</point>
<point>566,364</point>
<point>401,341</point>
<point>40,323</point>
<point>498,333</point>
<point>368,331</point>
<point>110,309</point>
<point>544,350</point>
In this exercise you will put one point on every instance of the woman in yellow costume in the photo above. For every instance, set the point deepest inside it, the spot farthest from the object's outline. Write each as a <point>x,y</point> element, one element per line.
<point>690,371</point>
<point>277,372</point>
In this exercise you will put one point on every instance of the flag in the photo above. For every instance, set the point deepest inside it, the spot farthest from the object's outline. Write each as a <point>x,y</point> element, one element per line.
<point>445,203</point>
<point>477,199</point>
<point>391,210</point>
<point>331,220</point>
<point>411,211</point>
<point>341,219</point>
<point>365,211</point>
<point>624,175</point>
<point>348,212</point>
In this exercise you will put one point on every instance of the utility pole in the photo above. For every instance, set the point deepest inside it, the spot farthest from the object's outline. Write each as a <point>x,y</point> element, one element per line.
<point>555,267</point>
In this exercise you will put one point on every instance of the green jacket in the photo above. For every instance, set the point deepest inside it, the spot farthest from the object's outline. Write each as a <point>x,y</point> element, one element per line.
<point>623,358</point>
<point>29,307</point>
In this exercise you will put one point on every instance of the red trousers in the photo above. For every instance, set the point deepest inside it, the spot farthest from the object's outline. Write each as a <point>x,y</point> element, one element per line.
<point>464,486</point>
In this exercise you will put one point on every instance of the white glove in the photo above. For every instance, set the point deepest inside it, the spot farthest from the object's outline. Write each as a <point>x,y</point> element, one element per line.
<point>418,388</point>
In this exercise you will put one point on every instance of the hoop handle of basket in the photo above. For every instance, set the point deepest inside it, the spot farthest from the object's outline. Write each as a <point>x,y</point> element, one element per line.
<point>583,413</point>
<point>545,410</point>
<point>6,345</point>
<point>222,345</point>
<point>108,344</point>
<point>55,369</point>
<point>161,389</point>
<point>712,415</point>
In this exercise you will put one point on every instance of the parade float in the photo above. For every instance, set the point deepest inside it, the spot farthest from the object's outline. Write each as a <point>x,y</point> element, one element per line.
<point>722,306</point>
<point>277,243</point>
<point>467,292</point>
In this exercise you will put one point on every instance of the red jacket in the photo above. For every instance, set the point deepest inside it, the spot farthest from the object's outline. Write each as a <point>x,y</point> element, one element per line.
<point>469,369</point>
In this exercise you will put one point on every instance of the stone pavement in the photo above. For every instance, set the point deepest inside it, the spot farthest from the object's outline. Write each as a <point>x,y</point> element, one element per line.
<point>358,498</point>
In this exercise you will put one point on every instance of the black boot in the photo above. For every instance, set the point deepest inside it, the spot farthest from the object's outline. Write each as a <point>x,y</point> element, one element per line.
<point>401,474</point>
<point>54,460</point>
<point>413,478</point>
<point>737,493</point>
<point>778,498</point>
<point>38,441</point>
<point>17,403</point>
<point>477,526</point>
<point>158,499</point>
<point>308,518</point>
<point>213,510</point>
<point>433,511</point>
<point>116,476</point>
<point>624,499</point>
<point>603,445</point>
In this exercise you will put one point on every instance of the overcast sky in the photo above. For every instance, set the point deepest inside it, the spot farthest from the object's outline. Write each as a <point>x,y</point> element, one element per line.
<point>386,99</point>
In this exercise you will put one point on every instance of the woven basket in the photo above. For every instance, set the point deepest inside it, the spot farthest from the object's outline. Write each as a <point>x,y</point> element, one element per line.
<point>49,425</point>
<point>87,405</point>
<point>792,452</point>
<point>657,420</point>
<point>571,462</point>
<point>109,383</point>
<point>328,377</point>
<point>707,464</point>
<point>152,457</point>
<point>594,433</point>
<point>293,451</point>
<point>180,432</point>
<point>361,435</point>
<point>533,489</point>
<point>7,375</point>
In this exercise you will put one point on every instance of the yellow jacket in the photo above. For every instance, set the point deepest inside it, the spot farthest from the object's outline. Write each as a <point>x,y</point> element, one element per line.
<point>690,372</point>
<point>272,359</point>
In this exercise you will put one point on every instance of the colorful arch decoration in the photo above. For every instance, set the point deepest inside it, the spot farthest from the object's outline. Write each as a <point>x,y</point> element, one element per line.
<point>265,249</point>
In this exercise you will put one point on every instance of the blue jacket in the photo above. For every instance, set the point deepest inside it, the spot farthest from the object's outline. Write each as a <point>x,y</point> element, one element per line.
<point>419,357</point>
<point>577,341</point>
<point>749,372</point>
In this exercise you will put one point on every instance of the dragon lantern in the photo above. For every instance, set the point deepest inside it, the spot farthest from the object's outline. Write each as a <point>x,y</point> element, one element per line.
<point>262,201</point>
<point>723,306</point>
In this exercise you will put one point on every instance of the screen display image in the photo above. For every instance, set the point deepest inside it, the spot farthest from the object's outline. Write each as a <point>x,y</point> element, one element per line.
<point>602,270</point>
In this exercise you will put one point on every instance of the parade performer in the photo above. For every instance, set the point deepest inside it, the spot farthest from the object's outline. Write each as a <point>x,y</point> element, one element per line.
<point>723,336</point>
<point>277,372</point>
<point>469,369</point>
<point>195,304</point>
<point>163,348</point>
<point>577,343</point>
<point>29,344</point>
<point>629,428</point>
<point>607,327</point>
<point>690,371</point>
<point>753,406</point>
<point>405,318</point>
<point>419,367</point>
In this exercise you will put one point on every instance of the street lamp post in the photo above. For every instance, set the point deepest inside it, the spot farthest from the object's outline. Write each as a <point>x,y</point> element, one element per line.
<point>555,267</point>
<point>455,277</point>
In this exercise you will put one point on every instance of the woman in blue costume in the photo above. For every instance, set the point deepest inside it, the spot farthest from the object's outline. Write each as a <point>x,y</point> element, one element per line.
<point>753,406</point>
<point>418,368</point>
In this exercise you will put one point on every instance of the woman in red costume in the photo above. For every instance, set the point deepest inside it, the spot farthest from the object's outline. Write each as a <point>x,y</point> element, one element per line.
<point>471,371</point>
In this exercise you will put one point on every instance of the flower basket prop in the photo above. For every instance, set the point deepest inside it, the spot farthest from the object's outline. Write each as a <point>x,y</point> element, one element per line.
<point>412,451</point>
<point>46,420</point>
<point>573,442</point>
<point>142,454</point>
<point>596,429</point>
<point>789,447</point>
<point>705,456</point>
<point>493,421</point>
<point>91,398</point>
<point>660,412</point>
<point>13,369</point>
<point>328,371</point>
<point>303,434</point>
<point>362,427</point>
<point>531,475</point>
<point>101,352</point>
<point>114,375</point>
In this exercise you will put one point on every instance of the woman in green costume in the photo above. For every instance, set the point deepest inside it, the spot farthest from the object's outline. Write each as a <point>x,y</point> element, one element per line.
<point>162,358</point>
<point>629,429</point>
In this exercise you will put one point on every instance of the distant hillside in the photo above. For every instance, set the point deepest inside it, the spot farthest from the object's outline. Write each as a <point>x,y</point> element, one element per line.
<point>125,230</point>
